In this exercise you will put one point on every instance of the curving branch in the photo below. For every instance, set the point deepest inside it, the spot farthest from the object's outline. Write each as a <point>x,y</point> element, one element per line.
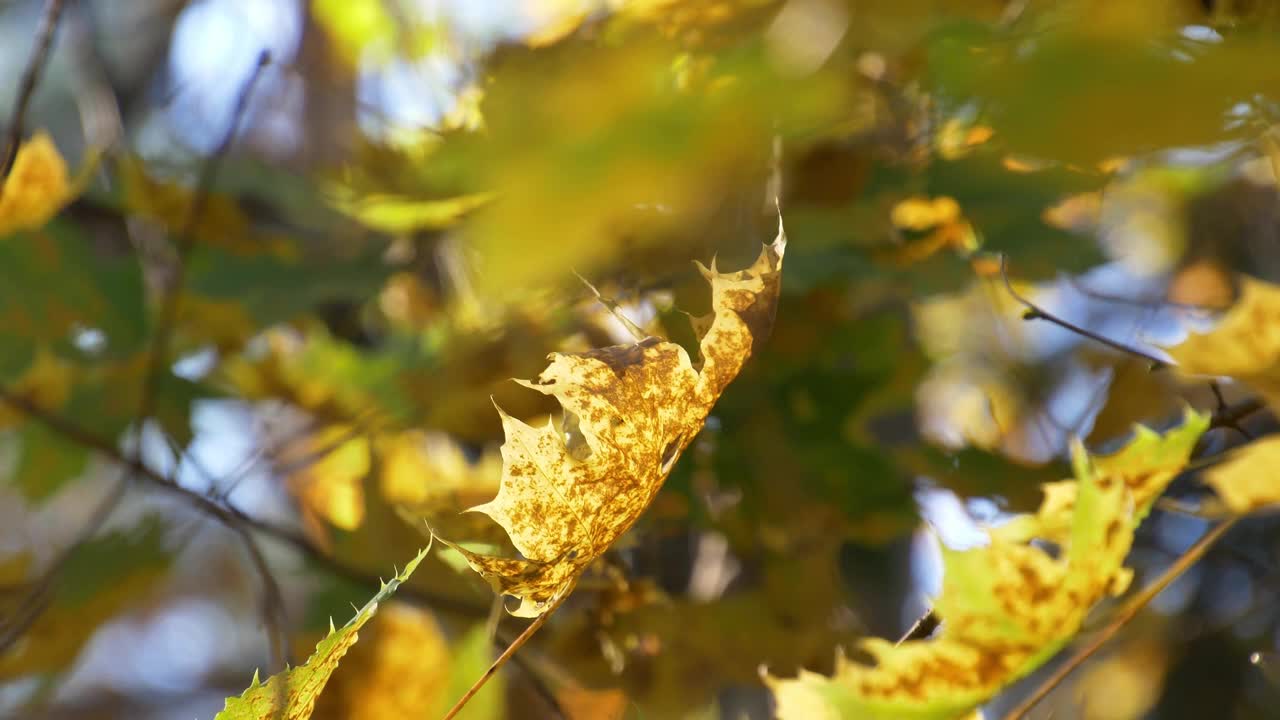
<point>226,514</point>
<point>30,78</point>
<point>1035,312</point>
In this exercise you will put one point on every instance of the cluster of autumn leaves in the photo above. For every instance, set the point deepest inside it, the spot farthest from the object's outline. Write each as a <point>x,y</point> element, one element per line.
<point>568,492</point>
<point>570,489</point>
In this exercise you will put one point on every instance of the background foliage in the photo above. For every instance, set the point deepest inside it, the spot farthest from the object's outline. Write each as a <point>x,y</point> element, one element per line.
<point>256,309</point>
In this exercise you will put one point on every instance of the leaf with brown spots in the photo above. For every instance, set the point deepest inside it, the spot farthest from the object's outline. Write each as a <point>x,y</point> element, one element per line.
<point>1009,606</point>
<point>299,687</point>
<point>1146,464</point>
<point>568,493</point>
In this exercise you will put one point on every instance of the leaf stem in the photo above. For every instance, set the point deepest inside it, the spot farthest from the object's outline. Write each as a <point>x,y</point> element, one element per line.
<point>515,645</point>
<point>1126,613</point>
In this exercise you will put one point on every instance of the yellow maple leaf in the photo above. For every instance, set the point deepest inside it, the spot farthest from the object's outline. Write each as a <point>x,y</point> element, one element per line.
<point>1244,345</point>
<point>37,187</point>
<point>567,493</point>
<point>326,471</point>
<point>1247,480</point>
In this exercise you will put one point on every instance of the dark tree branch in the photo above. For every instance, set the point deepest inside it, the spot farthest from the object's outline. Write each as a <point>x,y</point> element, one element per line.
<point>1035,312</point>
<point>172,289</point>
<point>227,514</point>
<point>30,78</point>
<point>37,601</point>
<point>1230,416</point>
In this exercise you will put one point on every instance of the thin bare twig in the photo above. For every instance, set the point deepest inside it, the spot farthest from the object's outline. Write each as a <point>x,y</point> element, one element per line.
<point>1122,617</point>
<point>1035,312</point>
<point>30,78</point>
<point>272,600</point>
<point>225,513</point>
<point>37,601</point>
<point>1229,416</point>
<point>172,290</point>
<point>1151,302</point>
<point>506,655</point>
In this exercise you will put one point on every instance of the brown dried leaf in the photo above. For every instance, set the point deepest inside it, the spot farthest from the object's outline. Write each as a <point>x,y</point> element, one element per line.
<point>568,493</point>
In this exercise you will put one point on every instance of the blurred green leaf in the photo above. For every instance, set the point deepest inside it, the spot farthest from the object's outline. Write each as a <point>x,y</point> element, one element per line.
<point>58,281</point>
<point>280,284</point>
<point>47,462</point>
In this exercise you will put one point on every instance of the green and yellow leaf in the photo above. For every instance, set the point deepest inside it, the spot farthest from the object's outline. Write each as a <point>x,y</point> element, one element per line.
<point>298,688</point>
<point>1146,464</point>
<point>404,666</point>
<point>1009,606</point>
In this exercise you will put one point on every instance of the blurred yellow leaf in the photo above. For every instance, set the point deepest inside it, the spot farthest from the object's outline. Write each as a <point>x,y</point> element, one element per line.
<point>568,493</point>
<point>1142,217</point>
<point>331,466</point>
<point>45,384</point>
<point>425,470</point>
<point>585,704</point>
<point>406,302</point>
<point>300,687</point>
<point>169,204</point>
<point>398,214</point>
<point>1244,345</point>
<point>1126,682</point>
<point>1248,479</point>
<point>957,138</point>
<point>919,213</point>
<point>369,30</point>
<point>982,320</point>
<point>1006,607</point>
<point>1077,213</point>
<point>941,221</point>
<point>400,667</point>
<point>36,188</point>
<point>556,19</point>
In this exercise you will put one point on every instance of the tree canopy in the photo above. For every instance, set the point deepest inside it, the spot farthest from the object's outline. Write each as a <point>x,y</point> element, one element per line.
<point>629,359</point>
